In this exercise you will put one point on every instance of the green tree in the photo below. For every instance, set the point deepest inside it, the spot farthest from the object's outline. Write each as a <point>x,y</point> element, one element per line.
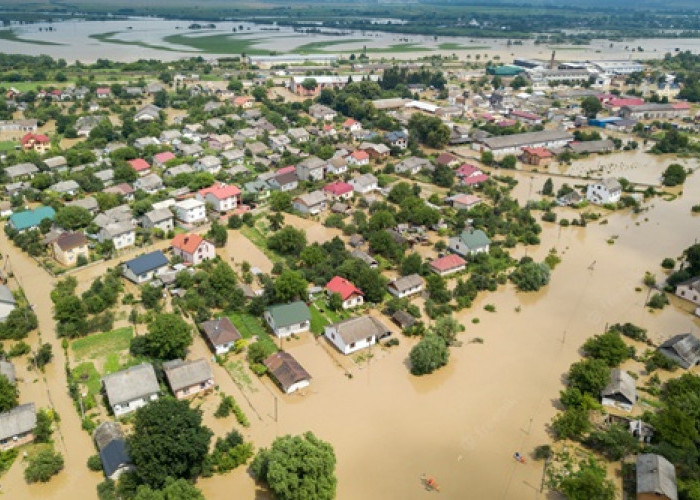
<point>8,394</point>
<point>447,328</point>
<point>280,201</point>
<point>288,241</point>
<point>443,176</point>
<point>428,355</point>
<point>168,337</point>
<point>411,264</point>
<point>218,234</point>
<point>674,175</point>
<point>335,302</point>
<point>276,220</point>
<point>290,285</point>
<point>309,83</point>
<point>591,106</point>
<point>72,217</point>
<point>429,130</point>
<point>530,276</point>
<point>571,424</point>
<point>608,347</point>
<point>548,188</point>
<point>151,296</point>
<point>168,439</point>
<point>43,466</point>
<point>297,468</point>
<point>614,442</point>
<point>590,376</point>
<point>588,482</point>
<point>487,158</point>
<point>509,161</point>
<point>179,489</point>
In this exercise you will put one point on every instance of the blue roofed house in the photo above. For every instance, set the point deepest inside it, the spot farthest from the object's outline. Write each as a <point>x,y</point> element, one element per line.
<point>145,267</point>
<point>114,455</point>
<point>470,242</point>
<point>29,219</point>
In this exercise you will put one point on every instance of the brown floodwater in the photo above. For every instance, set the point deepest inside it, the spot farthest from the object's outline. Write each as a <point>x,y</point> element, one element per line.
<point>461,424</point>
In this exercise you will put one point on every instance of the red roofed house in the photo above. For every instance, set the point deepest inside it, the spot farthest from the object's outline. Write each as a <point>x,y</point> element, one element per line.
<point>359,158</point>
<point>140,165</point>
<point>339,190</point>
<point>464,201</point>
<point>192,248</point>
<point>38,142</point>
<point>447,159</point>
<point>469,175</point>
<point>352,125</point>
<point>448,264</point>
<point>103,92</point>
<point>286,170</point>
<point>222,197</point>
<point>525,117</point>
<point>160,159</point>
<point>243,101</point>
<point>616,103</point>
<point>351,295</point>
<point>536,156</point>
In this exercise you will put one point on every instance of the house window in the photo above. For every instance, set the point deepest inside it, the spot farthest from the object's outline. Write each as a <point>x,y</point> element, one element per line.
<point>352,345</point>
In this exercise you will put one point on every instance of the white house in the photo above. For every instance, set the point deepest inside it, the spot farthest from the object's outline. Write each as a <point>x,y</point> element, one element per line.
<point>365,183</point>
<point>192,248</point>
<point>311,169</point>
<point>145,267</point>
<point>221,334</point>
<point>121,234</point>
<point>689,290</point>
<point>222,197</point>
<point>353,334</point>
<point>312,203</point>
<point>469,242</point>
<point>288,319</point>
<point>209,164</point>
<point>158,218</point>
<point>604,191</point>
<point>349,293</point>
<point>131,389</point>
<point>7,302</point>
<point>406,285</point>
<point>191,211</point>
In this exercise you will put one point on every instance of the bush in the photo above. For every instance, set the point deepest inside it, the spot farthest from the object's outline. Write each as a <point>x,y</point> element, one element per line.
<point>543,452</point>
<point>43,466</point>
<point>428,355</point>
<point>549,217</point>
<point>658,301</point>
<point>19,349</point>
<point>668,263</point>
<point>94,463</point>
<point>608,347</point>
<point>530,276</point>
<point>630,330</point>
<point>656,360</point>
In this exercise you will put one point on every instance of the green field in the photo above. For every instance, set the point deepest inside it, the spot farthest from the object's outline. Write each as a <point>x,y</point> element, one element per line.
<point>11,36</point>
<point>108,37</point>
<point>87,375</point>
<point>320,47</point>
<point>222,43</point>
<point>8,145</point>
<point>318,321</point>
<point>102,345</point>
<point>393,49</point>
<point>248,325</point>
<point>459,46</point>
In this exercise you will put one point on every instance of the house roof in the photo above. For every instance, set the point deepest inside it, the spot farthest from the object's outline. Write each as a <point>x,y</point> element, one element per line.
<point>220,191</point>
<point>684,348</point>
<point>289,314</point>
<point>21,169</point>
<point>188,243</point>
<point>6,295</point>
<point>31,218</point>
<point>220,331</point>
<point>182,374</point>
<point>139,164</point>
<point>466,199</point>
<point>360,155</point>
<point>611,184</point>
<point>354,329</point>
<point>69,241</point>
<point>285,369</point>
<point>338,188</point>
<point>525,115</point>
<point>311,199</point>
<point>592,146</point>
<point>133,383</point>
<point>364,180</point>
<point>517,140</point>
<point>403,319</point>
<point>17,421</point>
<point>33,137</point>
<point>107,432</point>
<point>475,179</point>
<point>406,282</point>
<point>147,262</point>
<point>114,456</point>
<point>465,170</point>
<point>656,475</point>
<point>448,262</point>
<point>286,178</point>
<point>539,152</point>
<point>445,159</point>
<point>158,215</point>
<point>474,239</point>
<point>621,383</point>
<point>343,287</point>
<point>8,370</point>
<point>164,156</point>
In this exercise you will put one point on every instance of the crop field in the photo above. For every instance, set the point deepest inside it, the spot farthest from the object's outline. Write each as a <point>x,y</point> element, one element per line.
<point>222,43</point>
<point>11,36</point>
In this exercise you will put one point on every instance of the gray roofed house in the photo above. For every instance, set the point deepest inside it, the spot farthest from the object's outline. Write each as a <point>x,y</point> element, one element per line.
<point>58,163</point>
<point>106,176</point>
<point>150,183</point>
<point>147,113</point>
<point>353,334</point>
<point>311,203</point>
<point>656,477</point>
<point>684,349</point>
<point>88,203</point>
<point>209,164</point>
<point>621,391</point>
<point>511,143</point>
<point>161,218</point>
<point>183,168</point>
<point>65,187</point>
<point>412,165</point>
<point>131,389</point>
<point>7,302</point>
<point>221,334</point>
<point>21,170</point>
<point>364,183</point>
<point>403,319</point>
<point>365,257</point>
<point>406,285</point>
<point>8,370</point>
<point>111,445</point>
<point>17,426</point>
<point>311,169</point>
<point>585,147</point>
<point>187,378</point>
<point>287,371</point>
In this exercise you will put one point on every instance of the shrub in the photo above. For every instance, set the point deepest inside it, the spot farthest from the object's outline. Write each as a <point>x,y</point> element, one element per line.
<point>428,355</point>
<point>658,301</point>
<point>19,349</point>
<point>490,308</point>
<point>43,466</point>
<point>630,330</point>
<point>543,452</point>
<point>94,463</point>
<point>549,217</point>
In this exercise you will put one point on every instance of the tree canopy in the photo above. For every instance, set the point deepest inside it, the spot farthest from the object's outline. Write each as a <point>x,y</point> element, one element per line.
<point>8,394</point>
<point>168,337</point>
<point>428,355</point>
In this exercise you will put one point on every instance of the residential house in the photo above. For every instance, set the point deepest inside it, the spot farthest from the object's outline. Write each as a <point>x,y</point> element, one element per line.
<point>288,319</point>
<point>7,370</point>
<point>85,124</point>
<point>17,426</point>
<point>192,248</point>
<point>397,139</point>
<point>140,165</point>
<point>221,197</point>
<point>106,176</point>
<point>160,218</point>
<point>234,156</point>
<point>406,286</point>
<point>339,190</point>
<point>287,372</point>
<point>448,264</point>
<point>35,142</point>
<point>8,303</point>
<point>654,111</point>
<point>403,320</point>
<point>243,101</point>
<point>190,149</point>
<point>191,211</point>
<point>56,164</point>
<point>447,160</point>
<point>220,142</point>
<point>353,334</point>
<point>279,143</point>
<point>689,290</point>
<point>525,117</point>
<point>65,188</point>
<point>30,219</point>
<point>210,164</point>
<point>469,242</point>
<point>412,165</point>
<point>131,389</point>
<point>69,247</point>
<point>171,136</point>
<point>160,159</point>
<point>365,183</point>
<point>220,334</point>
<point>321,112</point>
<point>311,169</point>
<point>536,156</point>
<point>604,191</point>
<point>21,171</point>
<point>312,203</point>
<point>144,142</point>
<point>149,113</point>
<point>145,267</point>
<point>351,125</point>
<point>187,378</point>
<point>592,147</point>
<point>337,166</point>
<point>298,134</point>
<point>89,203</point>
<point>259,189</point>
<point>103,92</point>
<point>351,295</point>
<point>287,181</point>
<point>684,349</point>
<point>621,392</point>
<point>464,201</point>
<point>469,175</point>
<point>358,158</point>
<point>183,168</point>
<point>151,183</point>
<point>656,478</point>
<point>111,445</point>
<point>121,234</point>
<point>513,144</point>
<point>365,257</point>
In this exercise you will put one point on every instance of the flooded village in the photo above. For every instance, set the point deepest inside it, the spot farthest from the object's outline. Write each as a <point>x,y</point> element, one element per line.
<point>339,276</point>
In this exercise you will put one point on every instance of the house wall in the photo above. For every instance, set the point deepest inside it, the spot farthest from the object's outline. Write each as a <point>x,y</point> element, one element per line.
<point>597,193</point>
<point>331,333</point>
<point>191,215</point>
<point>120,409</point>
<point>448,271</point>
<point>615,403</point>
<point>70,257</point>
<point>142,278</point>
<point>10,443</point>
<point>121,470</point>
<point>286,331</point>
<point>223,348</point>
<point>124,240</point>
<point>298,385</point>
<point>353,301</point>
<point>222,205</point>
<point>194,389</point>
<point>651,496</point>
<point>405,293</point>
<point>457,246</point>
<point>687,293</point>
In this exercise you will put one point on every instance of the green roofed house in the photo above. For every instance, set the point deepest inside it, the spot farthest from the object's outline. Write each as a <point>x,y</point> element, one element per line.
<point>288,319</point>
<point>470,242</point>
<point>504,70</point>
<point>30,219</point>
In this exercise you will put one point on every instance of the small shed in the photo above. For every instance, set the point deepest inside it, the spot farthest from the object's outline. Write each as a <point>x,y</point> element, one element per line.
<point>287,372</point>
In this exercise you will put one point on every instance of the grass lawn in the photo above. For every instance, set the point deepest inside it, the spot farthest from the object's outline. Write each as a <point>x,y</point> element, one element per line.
<point>221,43</point>
<point>7,145</point>
<point>11,36</point>
<point>396,48</point>
<point>319,47</point>
<point>240,377</point>
<point>102,344</point>
<point>386,179</point>
<point>318,320</point>
<point>248,325</point>
<point>87,375</point>
<point>459,46</point>
<point>108,37</point>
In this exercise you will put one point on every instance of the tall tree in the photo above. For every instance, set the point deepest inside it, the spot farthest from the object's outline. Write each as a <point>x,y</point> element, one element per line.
<point>168,337</point>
